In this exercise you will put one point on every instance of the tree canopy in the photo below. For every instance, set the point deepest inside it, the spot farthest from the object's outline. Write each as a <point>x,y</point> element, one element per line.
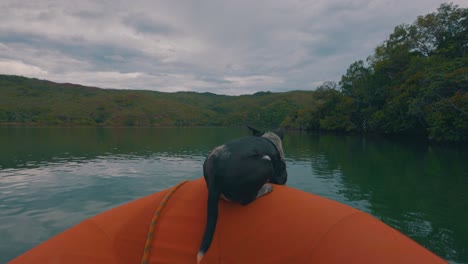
<point>415,82</point>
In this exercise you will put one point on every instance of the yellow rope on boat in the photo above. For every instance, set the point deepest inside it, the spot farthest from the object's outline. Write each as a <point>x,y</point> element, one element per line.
<point>149,237</point>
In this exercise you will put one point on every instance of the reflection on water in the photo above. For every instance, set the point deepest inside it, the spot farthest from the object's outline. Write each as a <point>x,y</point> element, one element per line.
<point>39,201</point>
<point>416,188</point>
<point>53,178</point>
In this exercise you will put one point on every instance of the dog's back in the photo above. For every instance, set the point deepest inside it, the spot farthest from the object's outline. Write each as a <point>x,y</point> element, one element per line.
<point>242,166</point>
<point>239,171</point>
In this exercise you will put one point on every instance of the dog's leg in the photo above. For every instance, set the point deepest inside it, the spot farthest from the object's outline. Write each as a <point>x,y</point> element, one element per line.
<point>266,189</point>
<point>212,218</point>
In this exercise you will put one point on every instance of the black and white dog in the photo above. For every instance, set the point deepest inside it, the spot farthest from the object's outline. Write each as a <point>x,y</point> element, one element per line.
<point>240,171</point>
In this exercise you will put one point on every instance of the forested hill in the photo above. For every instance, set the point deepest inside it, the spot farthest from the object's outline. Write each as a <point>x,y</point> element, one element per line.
<point>416,82</point>
<point>33,101</point>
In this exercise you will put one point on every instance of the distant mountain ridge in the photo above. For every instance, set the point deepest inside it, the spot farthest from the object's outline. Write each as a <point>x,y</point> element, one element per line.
<point>34,101</point>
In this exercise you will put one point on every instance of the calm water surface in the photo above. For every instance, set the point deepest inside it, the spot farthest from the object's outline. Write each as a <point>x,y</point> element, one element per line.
<point>53,178</point>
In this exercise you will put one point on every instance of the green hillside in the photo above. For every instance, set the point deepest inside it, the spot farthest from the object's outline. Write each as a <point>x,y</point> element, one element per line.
<point>33,101</point>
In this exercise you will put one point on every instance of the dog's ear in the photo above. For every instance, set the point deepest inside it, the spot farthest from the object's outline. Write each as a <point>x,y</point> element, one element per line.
<point>280,133</point>
<point>255,132</point>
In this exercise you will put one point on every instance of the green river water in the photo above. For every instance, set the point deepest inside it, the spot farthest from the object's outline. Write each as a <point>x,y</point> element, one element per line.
<point>53,178</point>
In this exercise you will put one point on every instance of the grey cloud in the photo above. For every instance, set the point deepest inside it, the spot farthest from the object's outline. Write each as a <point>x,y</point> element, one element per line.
<point>213,80</point>
<point>229,47</point>
<point>99,56</point>
<point>144,24</point>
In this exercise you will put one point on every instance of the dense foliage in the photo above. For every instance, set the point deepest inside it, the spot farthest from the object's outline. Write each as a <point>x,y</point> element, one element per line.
<point>416,82</point>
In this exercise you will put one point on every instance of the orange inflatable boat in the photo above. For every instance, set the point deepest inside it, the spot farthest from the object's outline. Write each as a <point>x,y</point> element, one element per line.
<point>285,226</point>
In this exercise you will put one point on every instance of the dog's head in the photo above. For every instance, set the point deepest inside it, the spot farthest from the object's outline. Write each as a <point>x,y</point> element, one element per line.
<point>279,132</point>
<point>276,137</point>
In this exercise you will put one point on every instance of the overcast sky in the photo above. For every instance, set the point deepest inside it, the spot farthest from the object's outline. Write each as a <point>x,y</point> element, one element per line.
<point>225,47</point>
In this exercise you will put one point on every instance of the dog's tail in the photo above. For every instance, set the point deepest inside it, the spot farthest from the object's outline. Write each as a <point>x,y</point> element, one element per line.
<point>212,217</point>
